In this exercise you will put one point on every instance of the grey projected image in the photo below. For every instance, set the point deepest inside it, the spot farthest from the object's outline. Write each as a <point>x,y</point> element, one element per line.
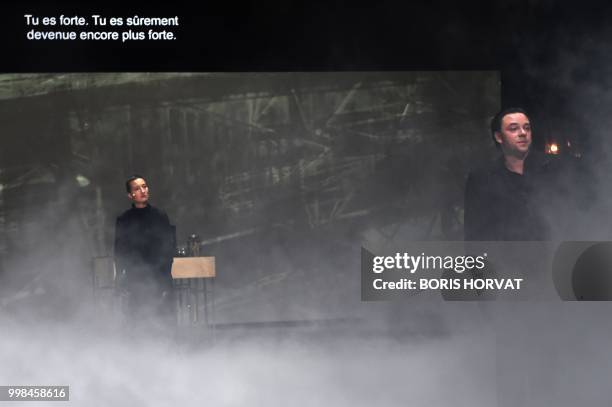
<point>283,176</point>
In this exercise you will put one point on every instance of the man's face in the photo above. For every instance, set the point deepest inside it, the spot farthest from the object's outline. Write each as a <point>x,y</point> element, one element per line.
<point>139,191</point>
<point>515,135</point>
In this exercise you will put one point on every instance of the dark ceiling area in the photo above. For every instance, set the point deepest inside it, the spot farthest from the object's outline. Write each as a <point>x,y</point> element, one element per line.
<point>550,56</point>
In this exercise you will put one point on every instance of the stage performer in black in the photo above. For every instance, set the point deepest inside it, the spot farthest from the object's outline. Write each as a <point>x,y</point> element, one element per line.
<point>507,200</point>
<point>144,249</point>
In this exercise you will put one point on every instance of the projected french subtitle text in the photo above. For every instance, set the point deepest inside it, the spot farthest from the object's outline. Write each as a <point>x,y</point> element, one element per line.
<point>97,27</point>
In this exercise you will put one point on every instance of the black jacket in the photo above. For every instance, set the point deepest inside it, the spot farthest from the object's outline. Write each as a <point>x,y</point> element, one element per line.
<point>144,244</point>
<point>503,205</point>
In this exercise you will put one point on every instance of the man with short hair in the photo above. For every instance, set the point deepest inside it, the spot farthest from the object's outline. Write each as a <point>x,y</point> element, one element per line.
<point>500,201</point>
<point>144,249</point>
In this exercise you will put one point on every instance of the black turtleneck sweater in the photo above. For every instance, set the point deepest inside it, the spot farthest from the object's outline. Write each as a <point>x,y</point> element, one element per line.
<point>144,244</point>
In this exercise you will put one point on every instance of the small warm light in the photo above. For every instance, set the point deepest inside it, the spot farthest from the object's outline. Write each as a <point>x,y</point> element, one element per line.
<point>552,148</point>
